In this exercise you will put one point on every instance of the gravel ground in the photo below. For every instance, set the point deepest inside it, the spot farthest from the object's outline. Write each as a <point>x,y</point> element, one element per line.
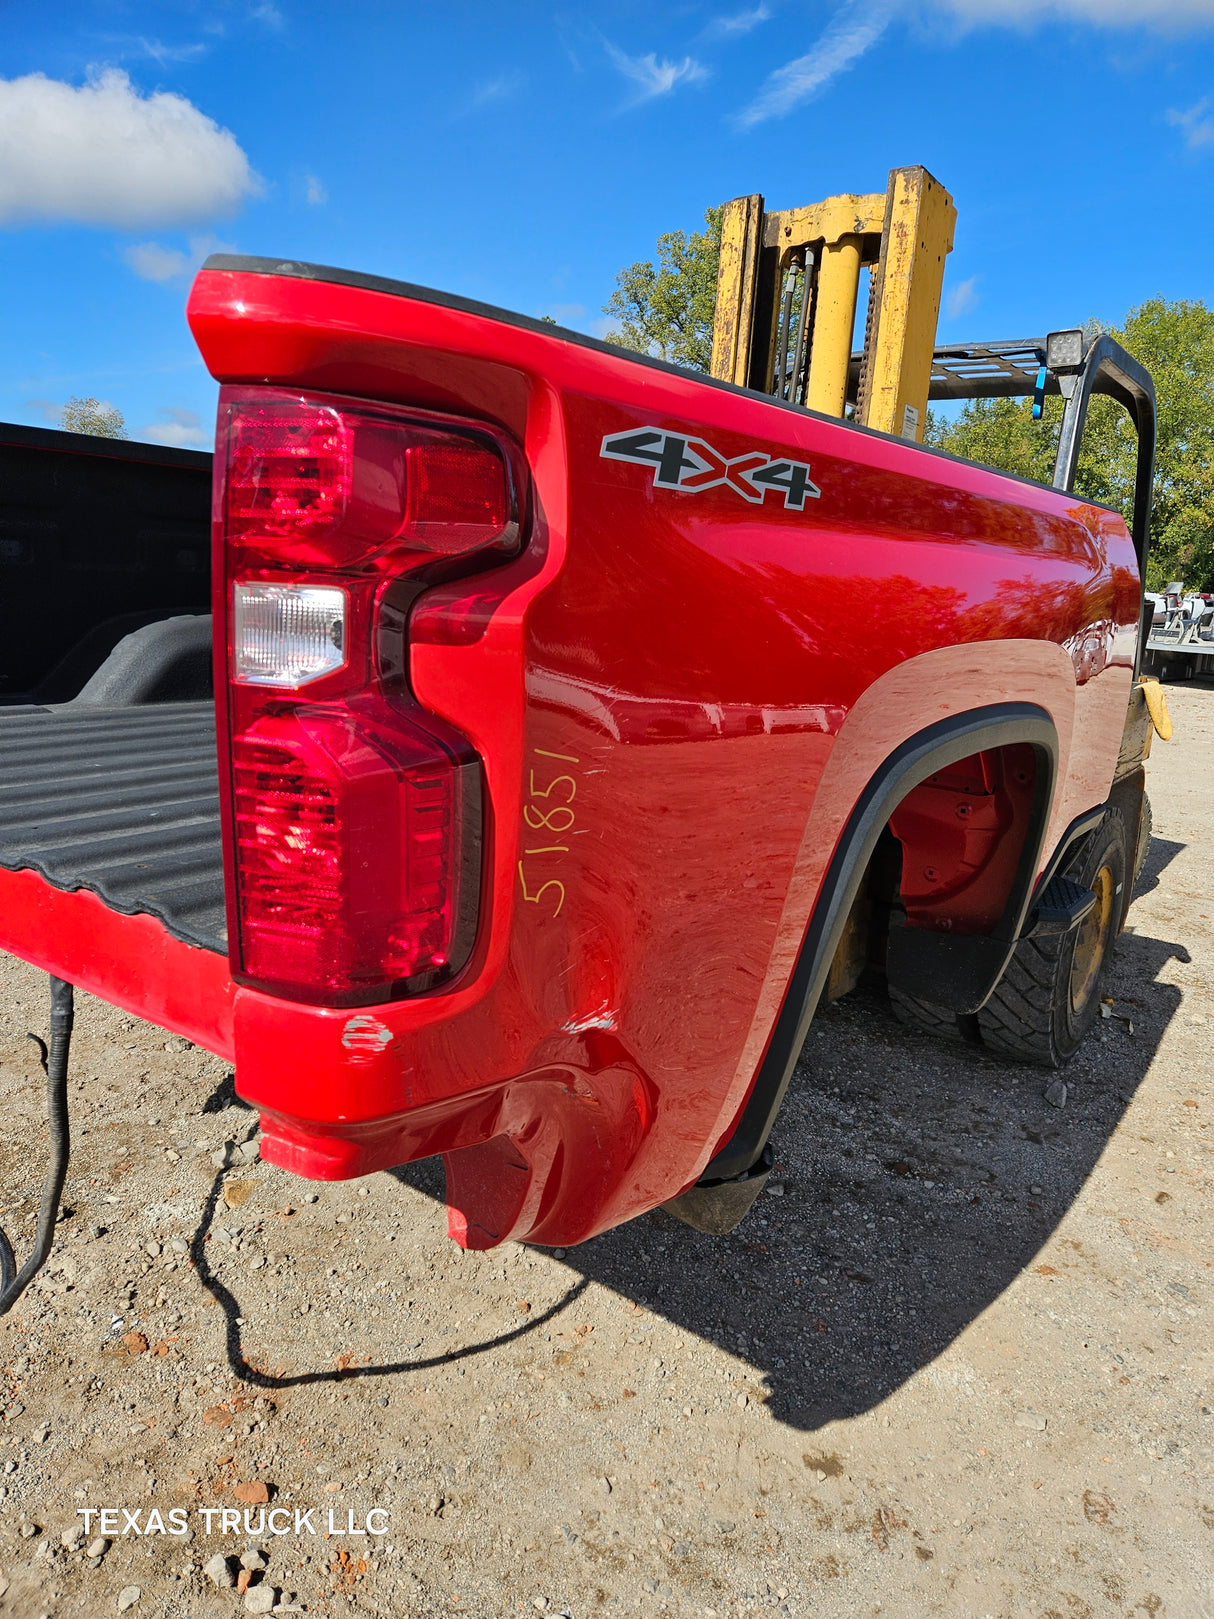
<point>957,1361</point>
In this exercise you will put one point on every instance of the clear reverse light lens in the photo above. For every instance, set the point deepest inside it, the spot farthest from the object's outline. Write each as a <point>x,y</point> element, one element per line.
<point>288,635</point>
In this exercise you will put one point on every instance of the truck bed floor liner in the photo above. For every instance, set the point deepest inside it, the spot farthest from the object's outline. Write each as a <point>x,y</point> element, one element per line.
<point>123,801</point>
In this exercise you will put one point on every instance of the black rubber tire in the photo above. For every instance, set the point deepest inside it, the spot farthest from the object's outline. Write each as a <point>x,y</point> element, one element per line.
<point>927,1018</point>
<point>1031,1017</point>
<point>1145,827</point>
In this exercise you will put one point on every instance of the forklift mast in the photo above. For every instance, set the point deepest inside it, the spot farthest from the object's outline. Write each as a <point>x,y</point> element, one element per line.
<point>787,292</point>
<point>788,288</point>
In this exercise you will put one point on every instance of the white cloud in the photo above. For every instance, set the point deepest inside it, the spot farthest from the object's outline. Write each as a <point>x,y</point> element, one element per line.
<point>102,154</point>
<point>859,24</point>
<point>851,31</point>
<point>314,191</point>
<point>491,90</point>
<point>138,47</point>
<point>742,22</point>
<point>180,428</point>
<point>1159,14</point>
<point>962,298</point>
<point>653,78</point>
<point>152,262</point>
<point>1198,129</point>
<point>49,409</point>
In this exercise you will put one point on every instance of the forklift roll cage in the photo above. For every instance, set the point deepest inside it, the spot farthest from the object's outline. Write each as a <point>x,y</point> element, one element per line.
<point>1071,363</point>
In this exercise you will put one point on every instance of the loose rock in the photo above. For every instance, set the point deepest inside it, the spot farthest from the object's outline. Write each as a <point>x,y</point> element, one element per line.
<point>219,1572</point>
<point>1030,1419</point>
<point>128,1597</point>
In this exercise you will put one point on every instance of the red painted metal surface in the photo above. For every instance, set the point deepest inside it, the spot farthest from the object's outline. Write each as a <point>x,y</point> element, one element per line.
<point>678,695</point>
<point>132,961</point>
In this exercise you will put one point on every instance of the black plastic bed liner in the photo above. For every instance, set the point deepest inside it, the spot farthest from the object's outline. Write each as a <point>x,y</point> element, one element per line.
<point>123,801</point>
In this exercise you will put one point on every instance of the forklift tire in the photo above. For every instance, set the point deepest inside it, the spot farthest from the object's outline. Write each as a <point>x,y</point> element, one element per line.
<point>927,1018</point>
<point>1146,826</point>
<point>1049,997</point>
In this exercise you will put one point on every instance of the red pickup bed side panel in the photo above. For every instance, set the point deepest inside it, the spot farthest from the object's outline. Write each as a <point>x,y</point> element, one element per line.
<point>678,694</point>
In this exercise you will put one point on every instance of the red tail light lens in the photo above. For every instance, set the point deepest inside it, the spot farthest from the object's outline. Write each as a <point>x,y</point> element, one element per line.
<point>354,815</point>
<point>350,829</point>
<point>457,498</point>
<point>362,489</point>
<point>290,471</point>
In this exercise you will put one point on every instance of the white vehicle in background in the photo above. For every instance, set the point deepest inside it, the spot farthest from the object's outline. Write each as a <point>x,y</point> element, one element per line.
<point>1180,642</point>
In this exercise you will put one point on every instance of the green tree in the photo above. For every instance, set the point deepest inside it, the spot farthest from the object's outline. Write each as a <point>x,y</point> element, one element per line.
<point>666,309</point>
<point>1000,433</point>
<point>92,416</point>
<point>1175,341</point>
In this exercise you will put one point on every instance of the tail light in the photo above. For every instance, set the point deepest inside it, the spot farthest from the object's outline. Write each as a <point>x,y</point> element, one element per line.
<point>354,816</point>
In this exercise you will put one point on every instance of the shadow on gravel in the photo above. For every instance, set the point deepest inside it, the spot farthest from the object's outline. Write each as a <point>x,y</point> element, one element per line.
<point>259,1377</point>
<point>1159,857</point>
<point>918,1182</point>
<point>915,1182</point>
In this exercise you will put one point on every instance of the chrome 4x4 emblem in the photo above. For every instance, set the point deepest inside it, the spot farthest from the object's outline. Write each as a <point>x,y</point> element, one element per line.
<point>692,465</point>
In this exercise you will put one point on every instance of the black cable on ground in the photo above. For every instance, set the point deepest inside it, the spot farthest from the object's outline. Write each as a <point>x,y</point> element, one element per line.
<point>54,1061</point>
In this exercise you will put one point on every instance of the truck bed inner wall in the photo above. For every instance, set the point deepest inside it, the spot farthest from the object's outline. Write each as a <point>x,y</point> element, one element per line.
<point>123,802</point>
<point>97,536</point>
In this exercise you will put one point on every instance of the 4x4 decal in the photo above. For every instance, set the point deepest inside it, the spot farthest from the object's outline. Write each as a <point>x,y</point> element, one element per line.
<point>692,465</point>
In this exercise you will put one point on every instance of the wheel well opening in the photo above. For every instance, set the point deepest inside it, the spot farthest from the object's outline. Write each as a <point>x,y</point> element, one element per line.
<point>946,860</point>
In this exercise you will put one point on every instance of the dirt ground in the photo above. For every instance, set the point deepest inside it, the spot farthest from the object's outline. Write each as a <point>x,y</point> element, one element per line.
<point>957,1361</point>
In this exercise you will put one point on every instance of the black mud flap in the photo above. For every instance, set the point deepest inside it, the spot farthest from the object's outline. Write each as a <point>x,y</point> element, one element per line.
<point>718,1207</point>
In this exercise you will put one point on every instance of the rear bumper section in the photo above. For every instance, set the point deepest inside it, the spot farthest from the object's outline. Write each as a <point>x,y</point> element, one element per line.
<point>111,877</point>
<point>544,1158</point>
<point>553,1156</point>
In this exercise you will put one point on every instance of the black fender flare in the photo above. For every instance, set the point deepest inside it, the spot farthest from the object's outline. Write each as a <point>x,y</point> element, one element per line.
<point>951,971</point>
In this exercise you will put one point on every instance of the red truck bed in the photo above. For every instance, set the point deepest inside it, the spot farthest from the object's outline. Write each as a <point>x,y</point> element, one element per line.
<point>723,642</point>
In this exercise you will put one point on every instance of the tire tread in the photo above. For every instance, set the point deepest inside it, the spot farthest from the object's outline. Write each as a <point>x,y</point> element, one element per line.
<point>1020,1020</point>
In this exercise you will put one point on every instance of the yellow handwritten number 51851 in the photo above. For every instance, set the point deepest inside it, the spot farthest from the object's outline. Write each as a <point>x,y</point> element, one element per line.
<point>556,817</point>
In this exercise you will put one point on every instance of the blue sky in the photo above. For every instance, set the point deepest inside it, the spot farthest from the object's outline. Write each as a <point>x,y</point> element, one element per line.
<point>523,153</point>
